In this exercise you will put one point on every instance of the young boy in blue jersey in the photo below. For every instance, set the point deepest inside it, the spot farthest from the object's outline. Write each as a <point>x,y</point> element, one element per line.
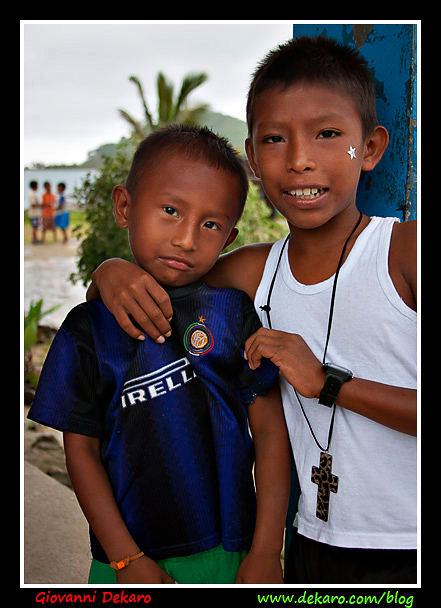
<point>156,436</point>
<point>338,301</point>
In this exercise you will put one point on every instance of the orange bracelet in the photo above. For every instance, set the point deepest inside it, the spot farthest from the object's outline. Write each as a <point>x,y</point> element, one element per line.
<point>125,562</point>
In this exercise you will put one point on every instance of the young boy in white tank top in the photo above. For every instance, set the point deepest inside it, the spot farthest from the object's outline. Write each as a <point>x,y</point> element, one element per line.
<point>339,308</point>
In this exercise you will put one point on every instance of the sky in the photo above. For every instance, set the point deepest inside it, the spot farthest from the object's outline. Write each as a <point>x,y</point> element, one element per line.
<point>75,75</point>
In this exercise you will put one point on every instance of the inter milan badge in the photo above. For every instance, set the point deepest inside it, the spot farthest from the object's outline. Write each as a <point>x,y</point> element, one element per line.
<point>198,339</point>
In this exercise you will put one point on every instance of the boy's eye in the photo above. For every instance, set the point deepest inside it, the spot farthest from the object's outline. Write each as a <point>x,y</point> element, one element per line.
<point>328,134</point>
<point>272,139</point>
<point>211,225</point>
<point>170,210</point>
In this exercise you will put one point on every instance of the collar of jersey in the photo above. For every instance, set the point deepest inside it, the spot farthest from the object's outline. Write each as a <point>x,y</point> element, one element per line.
<point>184,290</point>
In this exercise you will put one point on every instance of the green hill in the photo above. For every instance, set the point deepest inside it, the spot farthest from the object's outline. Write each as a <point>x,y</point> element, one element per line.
<point>233,129</point>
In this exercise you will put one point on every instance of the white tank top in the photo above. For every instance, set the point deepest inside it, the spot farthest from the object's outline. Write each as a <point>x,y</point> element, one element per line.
<point>374,334</point>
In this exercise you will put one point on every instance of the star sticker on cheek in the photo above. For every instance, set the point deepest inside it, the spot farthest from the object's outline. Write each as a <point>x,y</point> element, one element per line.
<point>351,152</point>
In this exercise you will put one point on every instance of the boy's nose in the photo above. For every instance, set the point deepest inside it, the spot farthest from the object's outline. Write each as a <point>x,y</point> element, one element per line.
<point>299,158</point>
<point>185,236</point>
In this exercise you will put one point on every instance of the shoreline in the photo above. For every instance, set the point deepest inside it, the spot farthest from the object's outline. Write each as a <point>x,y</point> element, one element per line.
<point>46,271</point>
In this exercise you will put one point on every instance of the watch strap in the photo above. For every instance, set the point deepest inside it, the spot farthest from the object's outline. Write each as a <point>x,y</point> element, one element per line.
<point>335,378</point>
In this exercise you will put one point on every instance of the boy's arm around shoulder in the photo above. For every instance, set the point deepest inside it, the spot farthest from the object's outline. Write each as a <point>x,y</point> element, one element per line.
<point>272,475</point>
<point>132,294</point>
<point>241,268</point>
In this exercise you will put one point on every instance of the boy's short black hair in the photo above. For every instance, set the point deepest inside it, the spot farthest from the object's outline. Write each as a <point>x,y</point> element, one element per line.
<point>317,60</point>
<point>33,185</point>
<point>198,143</point>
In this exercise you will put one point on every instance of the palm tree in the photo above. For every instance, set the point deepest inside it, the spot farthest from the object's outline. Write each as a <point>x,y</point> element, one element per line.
<point>169,110</point>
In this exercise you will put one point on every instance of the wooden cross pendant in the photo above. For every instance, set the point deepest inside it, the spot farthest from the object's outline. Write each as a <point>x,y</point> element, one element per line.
<point>327,483</point>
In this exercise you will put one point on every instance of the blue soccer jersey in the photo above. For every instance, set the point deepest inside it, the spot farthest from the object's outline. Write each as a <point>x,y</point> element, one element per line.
<point>171,418</point>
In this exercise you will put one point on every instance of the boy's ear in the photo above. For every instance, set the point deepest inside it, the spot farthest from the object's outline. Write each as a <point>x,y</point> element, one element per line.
<point>231,238</point>
<point>121,206</point>
<point>374,148</point>
<point>251,158</point>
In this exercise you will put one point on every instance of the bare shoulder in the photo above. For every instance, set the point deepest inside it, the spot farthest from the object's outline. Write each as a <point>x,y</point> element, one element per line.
<point>403,260</point>
<point>403,245</point>
<point>405,230</point>
<point>242,268</point>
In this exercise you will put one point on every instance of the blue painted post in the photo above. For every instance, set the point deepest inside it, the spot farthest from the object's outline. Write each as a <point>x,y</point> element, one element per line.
<point>390,51</point>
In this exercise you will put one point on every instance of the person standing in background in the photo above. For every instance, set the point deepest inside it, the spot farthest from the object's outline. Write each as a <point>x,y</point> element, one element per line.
<point>62,214</point>
<point>34,211</point>
<point>48,211</point>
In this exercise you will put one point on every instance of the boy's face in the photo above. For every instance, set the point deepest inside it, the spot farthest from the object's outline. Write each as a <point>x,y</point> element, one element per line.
<point>300,149</point>
<point>180,219</point>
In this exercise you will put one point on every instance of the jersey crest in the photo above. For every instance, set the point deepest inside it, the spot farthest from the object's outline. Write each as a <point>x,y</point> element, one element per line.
<point>198,339</point>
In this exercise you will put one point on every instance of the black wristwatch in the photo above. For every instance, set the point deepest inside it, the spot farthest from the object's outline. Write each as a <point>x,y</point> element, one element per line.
<point>336,376</point>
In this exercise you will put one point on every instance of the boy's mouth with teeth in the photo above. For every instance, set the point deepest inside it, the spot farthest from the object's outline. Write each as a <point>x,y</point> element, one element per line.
<point>306,193</point>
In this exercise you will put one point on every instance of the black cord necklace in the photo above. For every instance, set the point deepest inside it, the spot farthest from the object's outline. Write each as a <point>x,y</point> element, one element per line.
<point>267,309</point>
<point>322,476</point>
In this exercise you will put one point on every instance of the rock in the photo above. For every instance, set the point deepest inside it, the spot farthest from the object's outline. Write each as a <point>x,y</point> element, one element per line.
<point>45,334</point>
<point>44,449</point>
<point>29,395</point>
<point>56,534</point>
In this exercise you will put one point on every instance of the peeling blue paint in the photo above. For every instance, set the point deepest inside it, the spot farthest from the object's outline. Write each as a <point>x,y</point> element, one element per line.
<point>390,51</point>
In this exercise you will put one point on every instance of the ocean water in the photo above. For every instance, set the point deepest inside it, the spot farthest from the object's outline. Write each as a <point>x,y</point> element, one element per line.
<point>73,178</point>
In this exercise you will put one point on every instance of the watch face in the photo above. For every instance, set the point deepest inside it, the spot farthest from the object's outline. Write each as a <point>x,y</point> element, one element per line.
<point>338,370</point>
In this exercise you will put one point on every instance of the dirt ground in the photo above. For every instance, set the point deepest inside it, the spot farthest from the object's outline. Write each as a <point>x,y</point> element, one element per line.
<point>55,532</point>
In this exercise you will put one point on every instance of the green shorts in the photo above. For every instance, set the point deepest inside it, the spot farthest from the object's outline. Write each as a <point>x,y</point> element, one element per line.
<point>215,566</point>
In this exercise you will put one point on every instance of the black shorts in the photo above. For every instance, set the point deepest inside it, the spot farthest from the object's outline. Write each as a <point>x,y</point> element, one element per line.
<point>309,561</point>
